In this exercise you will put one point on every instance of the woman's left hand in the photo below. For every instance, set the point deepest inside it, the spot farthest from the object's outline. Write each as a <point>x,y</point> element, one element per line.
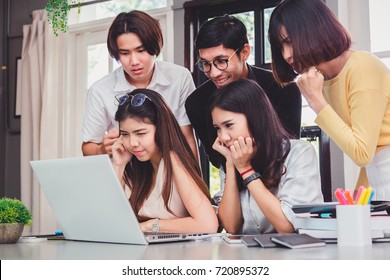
<point>242,151</point>
<point>222,149</point>
<point>310,84</point>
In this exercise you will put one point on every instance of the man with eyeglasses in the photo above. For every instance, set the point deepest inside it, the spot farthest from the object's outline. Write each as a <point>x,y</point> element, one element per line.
<point>223,49</point>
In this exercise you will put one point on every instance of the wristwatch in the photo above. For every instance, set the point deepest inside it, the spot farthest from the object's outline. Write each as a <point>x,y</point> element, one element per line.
<point>252,177</point>
<point>155,225</point>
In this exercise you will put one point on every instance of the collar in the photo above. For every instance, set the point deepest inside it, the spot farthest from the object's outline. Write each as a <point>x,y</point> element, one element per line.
<point>159,78</point>
<point>251,74</point>
<point>122,85</point>
<point>159,75</point>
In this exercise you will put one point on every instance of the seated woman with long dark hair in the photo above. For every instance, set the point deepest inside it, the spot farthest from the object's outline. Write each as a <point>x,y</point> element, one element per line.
<point>266,172</point>
<point>157,168</point>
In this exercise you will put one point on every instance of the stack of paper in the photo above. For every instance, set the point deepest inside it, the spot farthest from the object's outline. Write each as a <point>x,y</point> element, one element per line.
<point>378,222</point>
<point>326,228</point>
<point>332,234</point>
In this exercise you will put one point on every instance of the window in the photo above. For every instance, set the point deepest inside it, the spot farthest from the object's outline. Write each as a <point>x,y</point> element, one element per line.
<point>379,22</point>
<point>255,15</point>
<point>101,9</point>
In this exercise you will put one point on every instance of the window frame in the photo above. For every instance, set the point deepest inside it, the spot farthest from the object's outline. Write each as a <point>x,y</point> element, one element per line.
<point>198,11</point>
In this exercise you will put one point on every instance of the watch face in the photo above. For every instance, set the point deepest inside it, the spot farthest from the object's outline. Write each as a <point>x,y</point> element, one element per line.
<point>155,226</point>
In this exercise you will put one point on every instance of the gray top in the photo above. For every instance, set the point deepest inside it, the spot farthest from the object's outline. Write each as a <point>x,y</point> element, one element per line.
<point>301,184</point>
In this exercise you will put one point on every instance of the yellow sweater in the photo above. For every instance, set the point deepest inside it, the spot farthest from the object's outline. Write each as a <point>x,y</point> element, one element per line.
<point>357,118</point>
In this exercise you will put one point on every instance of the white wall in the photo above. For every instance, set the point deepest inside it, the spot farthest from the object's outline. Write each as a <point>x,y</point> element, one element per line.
<point>354,15</point>
<point>178,22</point>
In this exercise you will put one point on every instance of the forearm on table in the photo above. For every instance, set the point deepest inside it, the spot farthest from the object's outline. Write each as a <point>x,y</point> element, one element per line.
<point>270,206</point>
<point>229,210</point>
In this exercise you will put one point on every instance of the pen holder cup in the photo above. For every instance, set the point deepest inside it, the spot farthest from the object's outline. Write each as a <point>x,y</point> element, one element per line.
<point>353,225</point>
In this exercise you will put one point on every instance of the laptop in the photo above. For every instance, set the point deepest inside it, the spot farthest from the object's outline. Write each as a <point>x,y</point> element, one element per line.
<point>89,203</point>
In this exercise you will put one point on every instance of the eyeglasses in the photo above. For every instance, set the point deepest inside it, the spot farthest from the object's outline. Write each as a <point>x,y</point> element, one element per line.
<point>136,100</point>
<point>219,63</point>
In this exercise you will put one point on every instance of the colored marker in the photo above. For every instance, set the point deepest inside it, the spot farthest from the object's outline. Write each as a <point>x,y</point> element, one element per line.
<point>358,194</point>
<point>349,197</point>
<point>340,197</point>
<point>368,195</point>
<point>326,215</point>
<point>371,196</point>
<point>343,196</point>
<point>362,197</point>
<point>337,195</point>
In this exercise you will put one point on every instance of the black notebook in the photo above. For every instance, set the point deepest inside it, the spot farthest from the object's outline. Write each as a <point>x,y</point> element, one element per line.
<point>297,241</point>
<point>330,207</point>
<point>250,241</point>
<point>265,241</point>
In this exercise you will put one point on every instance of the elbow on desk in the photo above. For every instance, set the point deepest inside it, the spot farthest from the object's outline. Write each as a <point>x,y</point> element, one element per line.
<point>211,225</point>
<point>285,228</point>
<point>206,223</point>
<point>232,229</point>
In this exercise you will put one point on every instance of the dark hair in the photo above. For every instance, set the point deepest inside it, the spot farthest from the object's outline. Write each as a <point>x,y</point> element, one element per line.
<point>247,97</point>
<point>224,30</point>
<point>169,138</point>
<point>147,28</point>
<point>315,33</point>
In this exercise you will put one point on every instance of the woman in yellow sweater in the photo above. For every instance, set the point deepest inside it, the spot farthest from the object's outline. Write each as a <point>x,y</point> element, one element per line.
<point>349,90</point>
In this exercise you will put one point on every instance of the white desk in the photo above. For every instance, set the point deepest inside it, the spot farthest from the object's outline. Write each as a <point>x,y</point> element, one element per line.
<point>216,249</point>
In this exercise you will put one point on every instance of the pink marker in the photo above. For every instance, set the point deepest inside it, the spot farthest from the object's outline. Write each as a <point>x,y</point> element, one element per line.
<point>339,193</point>
<point>359,193</point>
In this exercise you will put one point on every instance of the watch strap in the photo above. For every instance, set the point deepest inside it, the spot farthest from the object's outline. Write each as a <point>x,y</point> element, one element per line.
<point>155,225</point>
<point>252,177</point>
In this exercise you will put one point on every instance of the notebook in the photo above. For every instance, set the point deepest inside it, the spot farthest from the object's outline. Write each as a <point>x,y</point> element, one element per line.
<point>90,205</point>
<point>318,208</point>
<point>264,240</point>
<point>330,207</point>
<point>298,241</point>
<point>249,241</point>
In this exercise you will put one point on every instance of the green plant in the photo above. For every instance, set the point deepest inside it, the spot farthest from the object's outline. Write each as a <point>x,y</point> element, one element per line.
<point>14,211</point>
<point>57,14</point>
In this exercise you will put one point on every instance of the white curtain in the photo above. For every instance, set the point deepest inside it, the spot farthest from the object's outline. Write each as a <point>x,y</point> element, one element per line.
<point>43,95</point>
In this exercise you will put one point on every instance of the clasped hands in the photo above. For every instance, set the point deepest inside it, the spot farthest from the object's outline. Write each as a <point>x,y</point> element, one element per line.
<point>239,153</point>
<point>310,84</point>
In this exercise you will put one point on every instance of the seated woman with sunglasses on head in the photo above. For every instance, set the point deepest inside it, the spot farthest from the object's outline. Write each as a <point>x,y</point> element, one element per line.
<point>266,172</point>
<point>157,168</point>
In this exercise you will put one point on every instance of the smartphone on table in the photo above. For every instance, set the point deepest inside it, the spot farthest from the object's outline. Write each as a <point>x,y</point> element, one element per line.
<point>232,239</point>
<point>248,240</point>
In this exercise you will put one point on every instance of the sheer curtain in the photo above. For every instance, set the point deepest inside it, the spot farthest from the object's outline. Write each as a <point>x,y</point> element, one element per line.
<point>43,94</point>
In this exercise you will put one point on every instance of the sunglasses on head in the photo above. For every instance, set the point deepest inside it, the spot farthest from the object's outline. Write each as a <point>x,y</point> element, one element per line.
<point>136,100</point>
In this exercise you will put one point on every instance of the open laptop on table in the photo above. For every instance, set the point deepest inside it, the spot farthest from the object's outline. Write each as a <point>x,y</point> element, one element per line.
<point>90,204</point>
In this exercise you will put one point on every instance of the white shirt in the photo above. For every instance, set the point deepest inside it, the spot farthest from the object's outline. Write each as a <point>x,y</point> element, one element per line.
<point>173,82</point>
